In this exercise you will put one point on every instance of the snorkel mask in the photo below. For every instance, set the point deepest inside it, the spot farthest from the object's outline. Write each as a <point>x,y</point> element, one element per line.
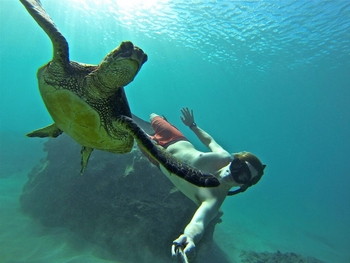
<point>241,174</point>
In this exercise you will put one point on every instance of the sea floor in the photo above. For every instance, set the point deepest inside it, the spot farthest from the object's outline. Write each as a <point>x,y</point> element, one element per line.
<point>22,239</point>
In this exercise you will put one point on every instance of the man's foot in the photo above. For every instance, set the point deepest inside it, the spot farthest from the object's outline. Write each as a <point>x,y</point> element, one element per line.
<point>152,115</point>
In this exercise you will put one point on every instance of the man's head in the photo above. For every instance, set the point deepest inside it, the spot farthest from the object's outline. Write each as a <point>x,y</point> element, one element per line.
<point>246,169</point>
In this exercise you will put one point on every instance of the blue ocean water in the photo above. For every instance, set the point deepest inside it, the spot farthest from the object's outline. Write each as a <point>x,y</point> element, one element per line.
<point>270,77</point>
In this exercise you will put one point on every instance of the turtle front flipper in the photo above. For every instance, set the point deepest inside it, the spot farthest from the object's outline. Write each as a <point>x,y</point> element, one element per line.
<point>165,159</point>
<point>48,131</point>
<point>85,155</point>
<point>60,45</point>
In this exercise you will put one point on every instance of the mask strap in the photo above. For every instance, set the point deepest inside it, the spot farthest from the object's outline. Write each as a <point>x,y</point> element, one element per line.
<point>240,190</point>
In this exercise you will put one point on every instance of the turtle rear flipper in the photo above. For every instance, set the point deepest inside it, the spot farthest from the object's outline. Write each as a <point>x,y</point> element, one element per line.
<point>48,131</point>
<point>166,160</point>
<point>60,45</point>
<point>85,155</point>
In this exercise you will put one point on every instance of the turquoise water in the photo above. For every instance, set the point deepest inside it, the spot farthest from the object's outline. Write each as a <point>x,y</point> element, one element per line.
<point>268,77</point>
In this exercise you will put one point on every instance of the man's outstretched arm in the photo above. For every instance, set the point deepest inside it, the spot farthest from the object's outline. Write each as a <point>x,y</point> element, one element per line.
<point>203,136</point>
<point>195,229</point>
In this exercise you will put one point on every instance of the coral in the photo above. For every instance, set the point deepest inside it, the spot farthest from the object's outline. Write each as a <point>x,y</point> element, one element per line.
<point>267,257</point>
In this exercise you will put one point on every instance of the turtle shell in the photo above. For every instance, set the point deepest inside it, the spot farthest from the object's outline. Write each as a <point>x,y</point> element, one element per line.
<point>82,122</point>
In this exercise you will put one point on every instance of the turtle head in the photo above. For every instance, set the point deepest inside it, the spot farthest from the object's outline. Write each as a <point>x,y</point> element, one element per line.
<point>121,65</point>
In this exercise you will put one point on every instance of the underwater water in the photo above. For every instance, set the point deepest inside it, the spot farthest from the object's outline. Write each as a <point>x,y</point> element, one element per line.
<point>269,77</point>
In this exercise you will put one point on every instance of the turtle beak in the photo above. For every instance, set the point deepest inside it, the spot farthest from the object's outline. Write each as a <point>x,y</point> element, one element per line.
<point>140,56</point>
<point>127,49</point>
<point>121,65</point>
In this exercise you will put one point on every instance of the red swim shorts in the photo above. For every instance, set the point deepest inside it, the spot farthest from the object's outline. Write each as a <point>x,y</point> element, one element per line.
<point>165,133</point>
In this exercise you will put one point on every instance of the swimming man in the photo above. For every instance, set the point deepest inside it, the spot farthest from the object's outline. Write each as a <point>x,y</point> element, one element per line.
<point>238,170</point>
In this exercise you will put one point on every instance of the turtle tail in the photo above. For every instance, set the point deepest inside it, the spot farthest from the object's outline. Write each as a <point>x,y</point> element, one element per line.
<point>165,159</point>
<point>60,45</point>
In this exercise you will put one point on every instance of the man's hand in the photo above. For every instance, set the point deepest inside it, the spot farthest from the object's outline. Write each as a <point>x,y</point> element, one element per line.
<point>187,118</point>
<point>186,243</point>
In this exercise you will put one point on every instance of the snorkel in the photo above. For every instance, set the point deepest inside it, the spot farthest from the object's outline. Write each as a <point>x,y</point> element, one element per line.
<point>242,174</point>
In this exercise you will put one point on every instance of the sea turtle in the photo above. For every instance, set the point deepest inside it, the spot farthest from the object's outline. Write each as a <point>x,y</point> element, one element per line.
<point>88,102</point>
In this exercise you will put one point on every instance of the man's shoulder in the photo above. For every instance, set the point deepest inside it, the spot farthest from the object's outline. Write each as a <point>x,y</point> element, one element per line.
<point>222,154</point>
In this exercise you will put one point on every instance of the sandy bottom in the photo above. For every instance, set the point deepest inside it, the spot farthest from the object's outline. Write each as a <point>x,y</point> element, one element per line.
<point>243,230</point>
<point>24,240</point>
